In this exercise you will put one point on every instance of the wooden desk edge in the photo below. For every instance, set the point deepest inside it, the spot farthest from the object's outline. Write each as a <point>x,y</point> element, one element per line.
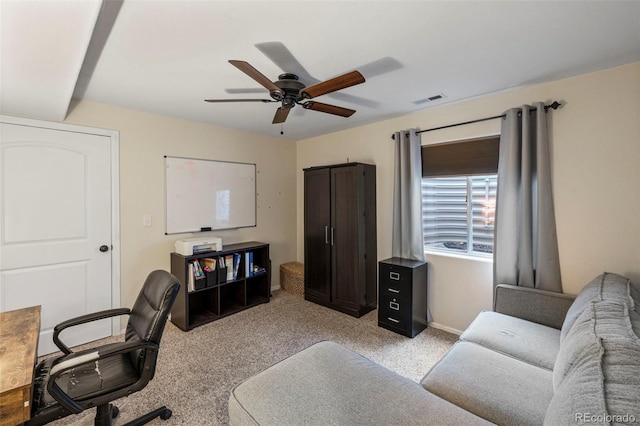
<point>19,333</point>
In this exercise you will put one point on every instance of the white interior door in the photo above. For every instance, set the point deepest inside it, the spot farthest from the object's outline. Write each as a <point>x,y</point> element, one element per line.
<point>55,228</point>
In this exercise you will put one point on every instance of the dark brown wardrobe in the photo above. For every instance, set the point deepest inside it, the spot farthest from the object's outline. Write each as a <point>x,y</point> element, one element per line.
<point>340,237</point>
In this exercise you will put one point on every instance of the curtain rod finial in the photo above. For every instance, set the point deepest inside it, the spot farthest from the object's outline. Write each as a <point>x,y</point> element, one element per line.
<point>555,105</point>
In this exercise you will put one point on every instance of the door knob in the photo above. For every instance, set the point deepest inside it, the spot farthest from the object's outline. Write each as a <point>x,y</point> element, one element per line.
<point>104,248</point>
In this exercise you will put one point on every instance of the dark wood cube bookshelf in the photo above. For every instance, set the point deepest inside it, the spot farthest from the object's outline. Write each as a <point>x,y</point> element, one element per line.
<point>215,297</point>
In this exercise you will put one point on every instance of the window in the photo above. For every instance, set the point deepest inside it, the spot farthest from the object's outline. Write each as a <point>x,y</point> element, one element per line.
<point>458,195</point>
<point>450,222</point>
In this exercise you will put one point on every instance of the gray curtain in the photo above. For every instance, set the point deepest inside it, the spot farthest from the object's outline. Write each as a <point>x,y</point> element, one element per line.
<point>407,241</point>
<point>525,242</point>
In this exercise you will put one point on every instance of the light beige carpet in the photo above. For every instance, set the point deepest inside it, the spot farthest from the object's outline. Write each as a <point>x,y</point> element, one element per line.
<point>196,370</point>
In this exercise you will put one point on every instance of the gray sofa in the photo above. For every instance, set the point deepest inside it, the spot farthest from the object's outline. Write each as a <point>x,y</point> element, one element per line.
<point>540,358</point>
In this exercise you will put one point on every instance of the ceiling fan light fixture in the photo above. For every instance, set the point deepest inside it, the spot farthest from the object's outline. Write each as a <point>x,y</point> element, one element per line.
<point>277,95</point>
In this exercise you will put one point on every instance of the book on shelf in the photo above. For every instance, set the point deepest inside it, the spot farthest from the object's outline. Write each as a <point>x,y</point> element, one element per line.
<point>236,265</point>
<point>209,263</point>
<point>197,269</point>
<point>191,286</point>
<point>222,270</point>
<point>228,260</point>
<point>197,275</point>
<point>248,264</point>
<point>210,270</point>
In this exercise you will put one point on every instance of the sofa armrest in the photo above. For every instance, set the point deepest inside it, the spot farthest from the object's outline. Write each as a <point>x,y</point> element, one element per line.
<point>543,307</point>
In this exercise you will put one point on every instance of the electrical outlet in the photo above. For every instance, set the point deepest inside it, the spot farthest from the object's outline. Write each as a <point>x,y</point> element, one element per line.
<point>146,220</point>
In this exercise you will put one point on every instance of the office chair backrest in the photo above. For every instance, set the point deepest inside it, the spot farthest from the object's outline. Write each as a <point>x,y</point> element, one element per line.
<point>149,314</point>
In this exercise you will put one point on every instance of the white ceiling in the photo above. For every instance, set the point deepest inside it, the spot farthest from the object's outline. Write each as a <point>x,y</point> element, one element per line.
<point>166,57</point>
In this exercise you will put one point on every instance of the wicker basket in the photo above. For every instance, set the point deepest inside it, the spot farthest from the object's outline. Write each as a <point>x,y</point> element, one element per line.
<point>292,278</point>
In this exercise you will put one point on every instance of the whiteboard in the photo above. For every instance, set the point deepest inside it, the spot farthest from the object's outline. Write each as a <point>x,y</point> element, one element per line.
<point>203,195</point>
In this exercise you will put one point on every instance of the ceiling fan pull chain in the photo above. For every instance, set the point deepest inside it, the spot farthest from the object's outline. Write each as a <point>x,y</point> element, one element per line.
<point>281,128</point>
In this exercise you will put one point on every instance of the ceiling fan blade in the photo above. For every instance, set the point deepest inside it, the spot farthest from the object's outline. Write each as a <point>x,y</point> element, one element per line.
<point>249,70</point>
<point>244,91</point>
<point>284,59</point>
<point>240,100</point>
<point>380,66</point>
<point>341,82</point>
<point>281,115</point>
<point>329,109</point>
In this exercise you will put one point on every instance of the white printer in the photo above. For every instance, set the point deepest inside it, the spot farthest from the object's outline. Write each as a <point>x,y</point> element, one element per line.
<point>191,246</point>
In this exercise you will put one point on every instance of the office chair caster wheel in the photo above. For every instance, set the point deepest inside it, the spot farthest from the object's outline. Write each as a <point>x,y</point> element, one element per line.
<point>114,412</point>
<point>166,414</point>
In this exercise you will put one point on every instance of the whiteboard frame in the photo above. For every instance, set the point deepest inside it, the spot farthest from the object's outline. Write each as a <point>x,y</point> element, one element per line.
<point>166,198</point>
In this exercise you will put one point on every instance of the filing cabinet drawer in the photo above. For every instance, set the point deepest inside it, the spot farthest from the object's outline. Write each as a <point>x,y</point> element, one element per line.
<point>395,273</point>
<point>394,312</point>
<point>399,290</point>
<point>395,281</point>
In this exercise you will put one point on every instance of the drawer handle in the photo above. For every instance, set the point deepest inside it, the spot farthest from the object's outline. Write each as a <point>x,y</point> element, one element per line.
<point>393,290</point>
<point>394,276</point>
<point>393,320</point>
<point>394,305</point>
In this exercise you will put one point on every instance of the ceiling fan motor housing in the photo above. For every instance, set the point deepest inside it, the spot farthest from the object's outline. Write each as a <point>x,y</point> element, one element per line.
<point>291,87</point>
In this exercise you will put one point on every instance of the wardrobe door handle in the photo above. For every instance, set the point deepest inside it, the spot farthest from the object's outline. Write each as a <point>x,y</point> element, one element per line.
<point>326,235</point>
<point>332,235</point>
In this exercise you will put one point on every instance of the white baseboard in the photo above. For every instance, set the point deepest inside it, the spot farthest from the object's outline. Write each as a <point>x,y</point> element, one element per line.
<point>445,328</point>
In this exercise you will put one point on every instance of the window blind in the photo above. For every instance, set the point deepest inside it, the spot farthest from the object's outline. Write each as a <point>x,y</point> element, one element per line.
<point>450,222</point>
<point>461,158</point>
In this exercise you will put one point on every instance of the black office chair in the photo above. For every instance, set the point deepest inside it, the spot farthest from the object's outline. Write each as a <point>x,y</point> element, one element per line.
<point>77,381</point>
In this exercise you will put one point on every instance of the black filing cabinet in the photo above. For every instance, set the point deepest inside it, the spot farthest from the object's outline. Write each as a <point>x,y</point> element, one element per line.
<point>402,295</point>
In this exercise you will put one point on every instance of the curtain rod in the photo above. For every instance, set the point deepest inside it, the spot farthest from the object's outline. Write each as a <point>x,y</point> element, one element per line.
<point>553,105</point>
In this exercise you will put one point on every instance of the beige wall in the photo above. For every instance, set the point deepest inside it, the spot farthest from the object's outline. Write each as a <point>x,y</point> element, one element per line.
<point>144,141</point>
<point>595,140</point>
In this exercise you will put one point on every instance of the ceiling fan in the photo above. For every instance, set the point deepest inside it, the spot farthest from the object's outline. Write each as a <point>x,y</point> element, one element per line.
<point>289,91</point>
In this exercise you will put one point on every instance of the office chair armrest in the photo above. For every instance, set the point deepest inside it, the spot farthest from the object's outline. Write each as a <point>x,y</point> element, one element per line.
<point>83,319</point>
<point>57,369</point>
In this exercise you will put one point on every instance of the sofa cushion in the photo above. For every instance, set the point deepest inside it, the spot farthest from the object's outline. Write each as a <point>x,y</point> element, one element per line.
<point>525,340</point>
<point>604,320</point>
<point>598,367</point>
<point>604,287</point>
<point>491,385</point>
<point>327,384</point>
<point>581,391</point>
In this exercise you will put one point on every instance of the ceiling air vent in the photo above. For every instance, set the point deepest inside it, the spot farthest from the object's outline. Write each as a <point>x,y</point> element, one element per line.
<point>430,99</point>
